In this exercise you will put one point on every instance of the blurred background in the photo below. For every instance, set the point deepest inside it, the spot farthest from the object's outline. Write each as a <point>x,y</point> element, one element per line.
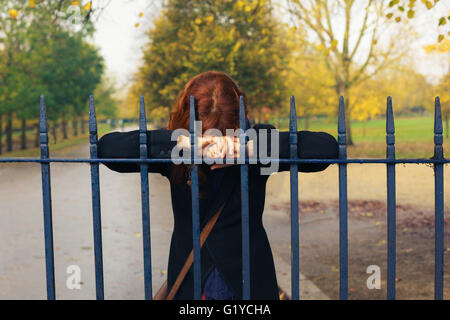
<point>315,50</point>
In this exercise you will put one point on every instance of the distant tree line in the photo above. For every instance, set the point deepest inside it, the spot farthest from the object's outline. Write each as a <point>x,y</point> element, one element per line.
<point>45,49</point>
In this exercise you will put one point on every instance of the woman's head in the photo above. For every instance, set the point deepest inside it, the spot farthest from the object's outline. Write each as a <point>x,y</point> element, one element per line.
<point>216,106</point>
<point>216,102</point>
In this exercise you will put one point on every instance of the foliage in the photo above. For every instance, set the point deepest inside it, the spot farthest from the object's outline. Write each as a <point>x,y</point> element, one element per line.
<point>408,8</point>
<point>240,38</point>
<point>44,50</point>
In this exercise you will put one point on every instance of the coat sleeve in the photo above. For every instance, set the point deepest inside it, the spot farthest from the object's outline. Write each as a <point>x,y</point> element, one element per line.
<point>311,145</point>
<point>125,145</point>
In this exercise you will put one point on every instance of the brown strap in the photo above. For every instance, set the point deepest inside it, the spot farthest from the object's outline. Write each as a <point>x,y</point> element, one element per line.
<point>203,236</point>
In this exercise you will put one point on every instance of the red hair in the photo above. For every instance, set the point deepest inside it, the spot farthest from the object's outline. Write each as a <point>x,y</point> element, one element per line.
<point>216,106</point>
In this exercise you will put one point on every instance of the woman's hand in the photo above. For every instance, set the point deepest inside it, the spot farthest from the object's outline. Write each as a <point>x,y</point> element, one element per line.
<point>217,147</point>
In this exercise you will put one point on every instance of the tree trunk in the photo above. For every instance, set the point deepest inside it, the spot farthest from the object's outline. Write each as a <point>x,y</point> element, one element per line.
<point>343,91</point>
<point>75,127</point>
<point>83,126</point>
<point>23,138</point>
<point>54,131</point>
<point>64,128</point>
<point>446,125</point>
<point>37,136</point>
<point>9,146</point>
<point>307,118</point>
<point>1,132</point>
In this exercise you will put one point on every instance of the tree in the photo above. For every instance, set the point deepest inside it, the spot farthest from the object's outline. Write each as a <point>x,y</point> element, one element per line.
<point>308,79</point>
<point>442,89</point>
<point>236,37</point>
<point>105,103</point>
<point>31,32</point>
<point>355,54</point>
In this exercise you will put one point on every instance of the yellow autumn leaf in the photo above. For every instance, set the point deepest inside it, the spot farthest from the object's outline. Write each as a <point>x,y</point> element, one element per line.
<point>13,13</point>
<point>88,6</point>
<point>31,3</point>
<point>198,21</point>
<point>209,19</point>
<point>137,25</point>
<point>141,14</point>
<point>248,8</point>
<point>75,3</point>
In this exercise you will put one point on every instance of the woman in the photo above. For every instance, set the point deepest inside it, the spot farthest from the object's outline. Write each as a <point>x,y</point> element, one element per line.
<point>217,106</point>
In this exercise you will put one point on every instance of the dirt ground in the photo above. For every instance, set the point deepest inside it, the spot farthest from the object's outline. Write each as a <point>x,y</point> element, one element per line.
<point>319,229</point>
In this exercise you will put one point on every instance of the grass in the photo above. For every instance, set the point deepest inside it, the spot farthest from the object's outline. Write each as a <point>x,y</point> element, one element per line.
<point>414,137</point>
<point>60,146</point>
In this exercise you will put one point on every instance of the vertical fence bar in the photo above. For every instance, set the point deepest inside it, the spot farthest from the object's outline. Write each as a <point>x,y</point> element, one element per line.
<point>47,203</point>
<point>244,205</point>
<point>195,203</point>
<point>343,216</point>
<point>391,201</point>
<point>438,204</point>
<point>145,202</point>
<point>95,184</point>
<point>295,255</point>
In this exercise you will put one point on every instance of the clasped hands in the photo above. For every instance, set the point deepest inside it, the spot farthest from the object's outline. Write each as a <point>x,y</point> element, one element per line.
<point>217,147</point>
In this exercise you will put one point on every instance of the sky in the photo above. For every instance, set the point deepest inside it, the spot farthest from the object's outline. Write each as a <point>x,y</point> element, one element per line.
<point>121,42</point>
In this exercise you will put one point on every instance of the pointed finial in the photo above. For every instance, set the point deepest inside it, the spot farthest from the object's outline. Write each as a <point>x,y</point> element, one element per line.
<point>42,115</point>
<point>142,117</point>
<point>390,128</point>
<point>293,116</point>
<point>92,116</point>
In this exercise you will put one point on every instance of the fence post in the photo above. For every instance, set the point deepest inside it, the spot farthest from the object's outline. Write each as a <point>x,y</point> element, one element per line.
<point>439,204</point>
<point>343,216</point>
<point>195,203</point>
<point>96,211</point>
<point>145,202</point>
<point>391,200</point>
<point>244,204</point>
<point>295,240</point>
<point>47,203</point>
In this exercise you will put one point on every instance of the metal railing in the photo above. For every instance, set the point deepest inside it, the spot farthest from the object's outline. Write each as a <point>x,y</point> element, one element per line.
<point>437,160</point>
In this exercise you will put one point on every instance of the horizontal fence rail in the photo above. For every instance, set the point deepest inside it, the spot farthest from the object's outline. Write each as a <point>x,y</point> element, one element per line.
<point>437,161</point>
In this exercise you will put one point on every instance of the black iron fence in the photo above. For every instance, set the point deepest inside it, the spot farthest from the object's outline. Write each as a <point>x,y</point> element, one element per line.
<point>144,161</point>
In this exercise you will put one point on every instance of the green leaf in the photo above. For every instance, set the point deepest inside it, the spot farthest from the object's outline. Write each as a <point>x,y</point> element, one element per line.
<point>440,38</point>
<point>411,14</point>
<point>442,21</point>
<point>401,8</point>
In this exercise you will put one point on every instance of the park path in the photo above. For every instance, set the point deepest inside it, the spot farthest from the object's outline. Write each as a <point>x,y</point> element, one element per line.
<point>22,263</point>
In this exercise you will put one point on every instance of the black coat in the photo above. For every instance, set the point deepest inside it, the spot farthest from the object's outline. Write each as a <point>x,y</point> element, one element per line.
<point>223,248</point>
